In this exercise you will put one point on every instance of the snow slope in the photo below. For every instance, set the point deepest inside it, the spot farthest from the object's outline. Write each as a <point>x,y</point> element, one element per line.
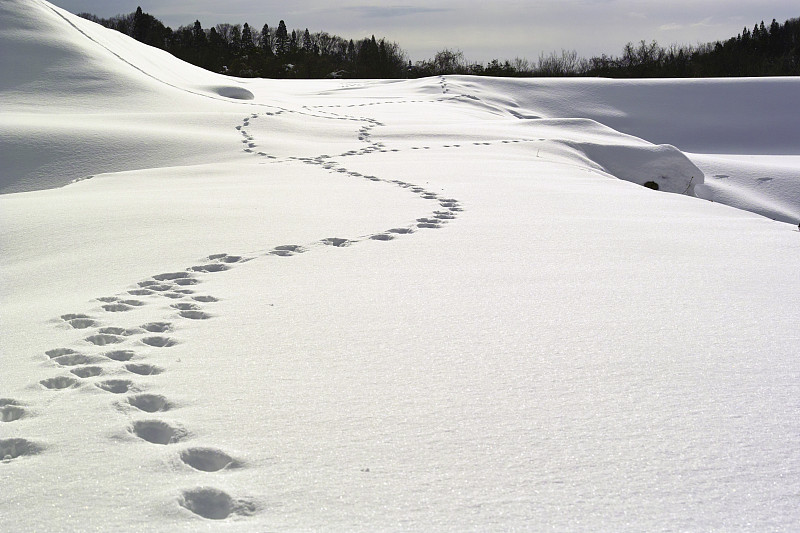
<point>438,304</point>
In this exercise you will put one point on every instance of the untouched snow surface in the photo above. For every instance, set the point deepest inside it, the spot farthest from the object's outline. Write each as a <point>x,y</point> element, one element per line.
<point>440,304</point>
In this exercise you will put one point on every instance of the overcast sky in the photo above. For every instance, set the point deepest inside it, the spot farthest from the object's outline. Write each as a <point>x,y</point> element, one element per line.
<point>482,29</point>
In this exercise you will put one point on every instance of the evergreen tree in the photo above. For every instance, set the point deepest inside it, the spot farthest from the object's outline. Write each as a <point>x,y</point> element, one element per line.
<point>281,39</point>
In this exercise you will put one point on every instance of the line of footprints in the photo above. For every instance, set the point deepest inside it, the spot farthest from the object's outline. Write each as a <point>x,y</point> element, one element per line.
<point>107,357</point>
<point>114,359</point>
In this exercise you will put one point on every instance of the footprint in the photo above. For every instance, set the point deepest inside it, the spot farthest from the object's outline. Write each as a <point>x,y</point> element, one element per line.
<point>185,306</point>
<point>74,359</point>
<point>120,355</point>
<point>103,339</point>
<point>108,299</point>
<point>150,403</point>
<point>171,276</point>
<point>60,382</point>
<point>287,250</point>
<point>147,283</point>
<point>82,323</point>
<point>172,295</point>
<point>73,316</point>
<point>143,369</point>
<point>157,432</point>
<point>58,352</point>
<point>10,410</point>
<point>205,299</point>
<point>381,237</point>
<point>429,221</point>
<point>140,292</point>
<point>160,287</point>
<point>13,448</point>
<point>402,231</point>
<point>87,371</point>
<point>157,327</point>
<point>116,386</point>
<point>213,503</point>
<point>208,459</point>
<point>428,225</point>
<point>183,291</point>
<point>159,342</point>
<point>120,331</point>
<point>186,281</point>
<point>195,315</point>
<point>333,241</point>
<point>117,308</point>
<point>134,303</point>
<point>211,267</point>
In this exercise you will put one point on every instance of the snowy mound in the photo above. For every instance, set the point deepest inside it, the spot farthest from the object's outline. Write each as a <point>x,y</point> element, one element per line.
<point>443,304</point>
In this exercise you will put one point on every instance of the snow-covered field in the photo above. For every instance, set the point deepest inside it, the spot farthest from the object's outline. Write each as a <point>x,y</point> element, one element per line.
<point>439,304</point>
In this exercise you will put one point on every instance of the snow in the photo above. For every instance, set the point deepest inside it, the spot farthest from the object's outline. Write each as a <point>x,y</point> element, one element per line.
<point>437,304</point>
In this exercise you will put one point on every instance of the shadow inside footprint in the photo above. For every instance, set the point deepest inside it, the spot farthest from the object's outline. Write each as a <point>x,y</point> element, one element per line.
<point>195,315</point>
<point>13,448</point>
<point>213,503</point>
<point>82,323</point>
<point>120,355</point>
<point>150,403</point>
<point>58,352</point>
<point>75,359</point>
<point>87,371</point>
<point>157,432</point>
<point>115,386</point>
<point>143,369</point>
<point>60,382</point>
<point>157,327</point>
<point>10,413</point>
<point>104,339</point>
<point>212,267</point>
<point>159,342</point>
<point>208,459</point>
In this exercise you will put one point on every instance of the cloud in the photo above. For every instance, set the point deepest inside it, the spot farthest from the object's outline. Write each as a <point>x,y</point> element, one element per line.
<point>391,11</point>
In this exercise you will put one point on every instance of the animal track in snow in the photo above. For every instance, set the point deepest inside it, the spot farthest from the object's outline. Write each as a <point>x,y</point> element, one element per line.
<point>211,267</point>
<point>382,237</point>
<point>159,342</point>
<point>140,292</point>
<point>60,382</point>
<point>119,331</point>
<point>213,503</point>
<point>195,315</point>
<point>75,359</point>
<point>150,403</point>
<point>120,355</point>
<point>225,258</point>
<point>87,371</point>
<point>103,339</point>
<point>10,410</point>
<point>185,306</point>
<point>287,250</point>
<point>117,308</point>
<point>143,369</point>
<point>205,299</point>
<point>333,241</point>
<point>82,323</point>
<point>158,432</point>
<point>171,276</point>
<point>208,459</point>
<point>186,281</point>
<point>13,448</point>
<point>401,231</point>
<point>115,386</point>
<point>58,352</point>
<point>157,327</point>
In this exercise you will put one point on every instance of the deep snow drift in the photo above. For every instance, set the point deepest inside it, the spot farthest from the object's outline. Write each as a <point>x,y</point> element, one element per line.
<point>439,304</point>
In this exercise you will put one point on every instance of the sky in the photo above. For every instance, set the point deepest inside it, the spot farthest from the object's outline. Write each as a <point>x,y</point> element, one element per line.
<point>483,30</point>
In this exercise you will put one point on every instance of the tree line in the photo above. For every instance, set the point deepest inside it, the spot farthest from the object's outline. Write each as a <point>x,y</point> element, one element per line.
<point>269,52</point>
<point>274,52</point>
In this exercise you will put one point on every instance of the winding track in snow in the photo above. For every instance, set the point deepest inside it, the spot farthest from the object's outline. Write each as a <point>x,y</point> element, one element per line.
<point>122,370</point>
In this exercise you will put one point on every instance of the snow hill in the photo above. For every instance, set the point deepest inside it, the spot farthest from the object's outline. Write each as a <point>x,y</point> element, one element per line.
<point>436,304</point>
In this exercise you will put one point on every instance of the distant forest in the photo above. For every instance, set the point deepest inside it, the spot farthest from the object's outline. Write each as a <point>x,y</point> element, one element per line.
<point>275,52</point>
